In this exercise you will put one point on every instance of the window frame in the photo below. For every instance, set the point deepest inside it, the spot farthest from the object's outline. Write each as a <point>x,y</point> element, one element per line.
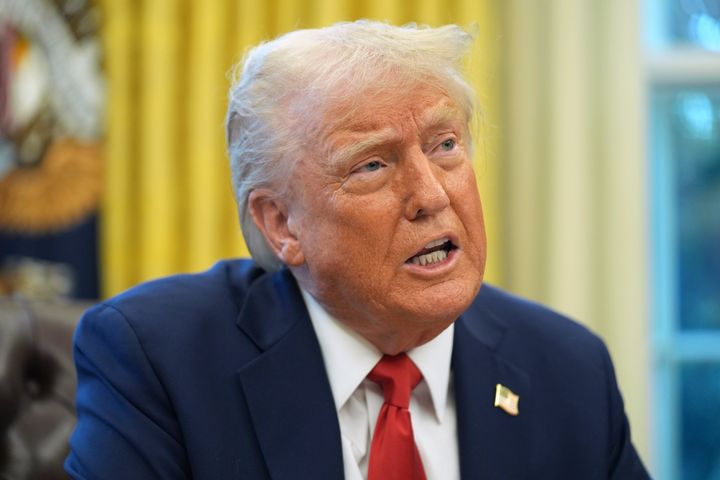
<point>670,67</point>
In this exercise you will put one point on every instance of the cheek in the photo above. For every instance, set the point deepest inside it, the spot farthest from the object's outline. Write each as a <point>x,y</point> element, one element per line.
<point>462,186</point>
<point>362,239</point>
<point>467,205</point>
<point>367,221</point>
<point>347,235</point>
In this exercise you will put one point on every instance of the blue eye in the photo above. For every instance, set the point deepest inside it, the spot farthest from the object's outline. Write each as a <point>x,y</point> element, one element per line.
<point>372,166</point>
<point>448,144</point>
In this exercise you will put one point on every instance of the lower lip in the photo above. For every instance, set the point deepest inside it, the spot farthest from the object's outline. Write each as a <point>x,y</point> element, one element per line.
<point>438,268</point>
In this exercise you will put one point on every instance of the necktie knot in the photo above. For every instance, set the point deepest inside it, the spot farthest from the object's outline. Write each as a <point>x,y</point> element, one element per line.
<point>398,376</point>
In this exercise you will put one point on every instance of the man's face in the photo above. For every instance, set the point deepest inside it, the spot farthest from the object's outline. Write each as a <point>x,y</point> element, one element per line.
<point>387,215</point>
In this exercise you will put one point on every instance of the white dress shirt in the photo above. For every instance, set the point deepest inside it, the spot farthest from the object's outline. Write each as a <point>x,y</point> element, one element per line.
<point>349,358</point>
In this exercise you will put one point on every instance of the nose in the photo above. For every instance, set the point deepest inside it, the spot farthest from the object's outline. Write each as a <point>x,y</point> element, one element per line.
<point>426,193</point>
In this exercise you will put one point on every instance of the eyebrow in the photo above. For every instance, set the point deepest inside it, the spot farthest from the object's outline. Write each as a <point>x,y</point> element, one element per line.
<point>441,115</point>
<point>370,141</point>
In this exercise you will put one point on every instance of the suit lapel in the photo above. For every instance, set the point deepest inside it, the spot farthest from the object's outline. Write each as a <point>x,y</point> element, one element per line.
<point>286,387</point>
<point>493,444</point>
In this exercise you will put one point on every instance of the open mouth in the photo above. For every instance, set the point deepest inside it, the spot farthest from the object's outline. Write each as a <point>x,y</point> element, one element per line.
<point>434,252</point>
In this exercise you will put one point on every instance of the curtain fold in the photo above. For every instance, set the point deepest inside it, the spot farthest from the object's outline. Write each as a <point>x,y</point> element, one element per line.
<point>574,179</point>
<point>169,206</point>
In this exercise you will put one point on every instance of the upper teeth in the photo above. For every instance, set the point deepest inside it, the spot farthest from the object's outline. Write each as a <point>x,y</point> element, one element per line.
<point>436,243</point>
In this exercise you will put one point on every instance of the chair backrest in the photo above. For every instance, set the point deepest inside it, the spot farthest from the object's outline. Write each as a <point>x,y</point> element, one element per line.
<point>37,387</point>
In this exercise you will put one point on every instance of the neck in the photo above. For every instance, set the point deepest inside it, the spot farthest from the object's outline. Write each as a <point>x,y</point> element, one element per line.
<point>390,334</point>
<point>399,342</point>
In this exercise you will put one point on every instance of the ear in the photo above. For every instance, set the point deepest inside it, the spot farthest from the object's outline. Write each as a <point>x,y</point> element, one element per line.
<point>270,215</point>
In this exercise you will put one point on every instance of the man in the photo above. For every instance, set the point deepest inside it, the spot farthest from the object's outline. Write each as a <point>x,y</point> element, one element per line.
<point>360,344</point>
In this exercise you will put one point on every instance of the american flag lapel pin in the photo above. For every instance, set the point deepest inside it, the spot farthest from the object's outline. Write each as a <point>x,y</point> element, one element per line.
<point>506,399</point>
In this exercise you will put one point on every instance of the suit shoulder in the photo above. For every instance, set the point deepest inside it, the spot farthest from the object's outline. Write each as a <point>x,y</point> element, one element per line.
<point>175,319</point>
<point>533,325</point>
<point>223,285</point>
<point>188,303</point>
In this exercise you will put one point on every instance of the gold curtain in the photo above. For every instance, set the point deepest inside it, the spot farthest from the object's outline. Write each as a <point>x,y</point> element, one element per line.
<point>168,205</point>
<point>575,213</point>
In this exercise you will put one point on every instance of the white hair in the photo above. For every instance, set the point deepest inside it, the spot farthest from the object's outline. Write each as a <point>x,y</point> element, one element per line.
<point>281,88</point>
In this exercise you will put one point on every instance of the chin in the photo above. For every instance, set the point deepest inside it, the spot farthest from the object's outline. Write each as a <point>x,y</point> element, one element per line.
<point>443,303</point>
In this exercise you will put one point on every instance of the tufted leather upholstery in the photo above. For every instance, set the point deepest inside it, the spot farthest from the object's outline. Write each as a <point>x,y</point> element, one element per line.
<point>37,387</point>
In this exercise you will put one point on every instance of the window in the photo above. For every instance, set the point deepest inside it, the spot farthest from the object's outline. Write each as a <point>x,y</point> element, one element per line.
<point>684,80</point>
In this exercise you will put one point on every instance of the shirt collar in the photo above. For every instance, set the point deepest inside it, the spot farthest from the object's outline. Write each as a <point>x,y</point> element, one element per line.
<point>433,360</point>
<point>349,357</point>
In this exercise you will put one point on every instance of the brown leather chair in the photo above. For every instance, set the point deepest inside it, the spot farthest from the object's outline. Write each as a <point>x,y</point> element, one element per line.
<point>37,387</point>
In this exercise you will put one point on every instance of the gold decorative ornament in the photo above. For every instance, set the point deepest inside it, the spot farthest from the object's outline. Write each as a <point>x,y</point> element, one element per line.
<point>51,114</point>
<point>61,190</point>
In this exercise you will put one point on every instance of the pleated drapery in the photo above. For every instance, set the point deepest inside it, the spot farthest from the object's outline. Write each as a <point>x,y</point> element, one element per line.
<point>575,212</point>
<point>168,206</point>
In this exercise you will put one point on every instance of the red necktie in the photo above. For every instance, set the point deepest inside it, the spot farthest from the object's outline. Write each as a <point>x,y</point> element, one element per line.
<point>393,453</point>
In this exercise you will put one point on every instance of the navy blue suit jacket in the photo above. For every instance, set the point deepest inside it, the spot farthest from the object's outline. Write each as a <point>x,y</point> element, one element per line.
<point>220,375</point>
